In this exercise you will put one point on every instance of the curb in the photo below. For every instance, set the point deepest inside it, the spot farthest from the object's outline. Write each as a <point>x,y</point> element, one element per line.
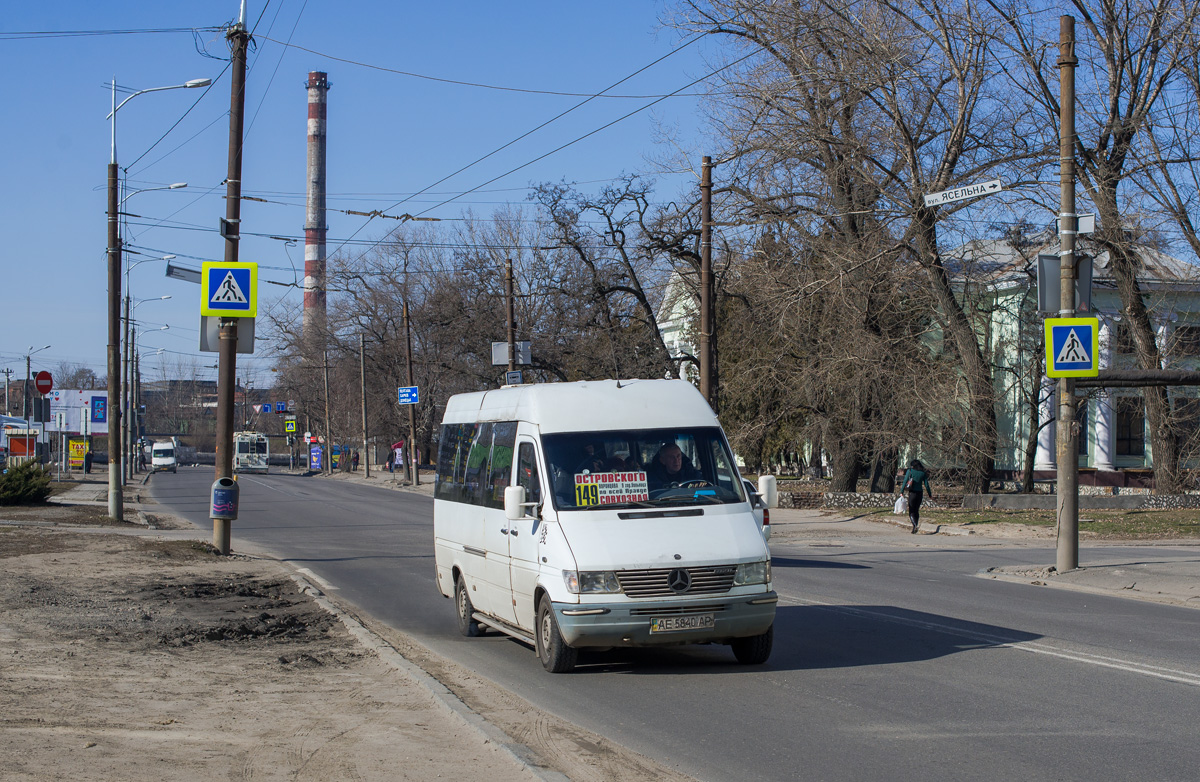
<point>441,694</point>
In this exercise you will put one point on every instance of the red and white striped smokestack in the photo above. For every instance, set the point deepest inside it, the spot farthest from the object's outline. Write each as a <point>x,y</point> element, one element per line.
<point>314,225</point>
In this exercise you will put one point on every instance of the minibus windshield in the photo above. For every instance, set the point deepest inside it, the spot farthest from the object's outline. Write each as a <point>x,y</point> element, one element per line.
<point>642,468</point>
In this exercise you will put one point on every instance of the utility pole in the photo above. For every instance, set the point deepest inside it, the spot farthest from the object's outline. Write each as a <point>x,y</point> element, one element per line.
<point>127,451</point>
<point>412,415</point>
<point>362,371</point>
<point>512,324</point>
<point>1068,430</point>
<point>238,38</point>
<point>328,461</point>
<point>7,380</point>
<point>116,504</point>
<point>707,385</point>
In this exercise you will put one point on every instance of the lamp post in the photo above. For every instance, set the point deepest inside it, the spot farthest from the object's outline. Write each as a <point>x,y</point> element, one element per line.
<point>127,438</point>
<point>136,397</point>
<point>25,395</point>
<point>116,505</point>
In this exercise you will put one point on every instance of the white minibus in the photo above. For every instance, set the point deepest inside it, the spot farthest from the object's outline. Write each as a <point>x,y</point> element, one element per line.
<point>162,456</point>
<point>599,514</point>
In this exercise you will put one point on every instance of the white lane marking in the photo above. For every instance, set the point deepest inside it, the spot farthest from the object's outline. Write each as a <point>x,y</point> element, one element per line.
<point>1033,647</point>
<point>328,587</point>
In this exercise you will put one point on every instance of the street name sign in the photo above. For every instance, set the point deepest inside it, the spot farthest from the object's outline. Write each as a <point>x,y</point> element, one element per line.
<point>961,193</point>
<point>229,290</point>
<point>1072,347</point>
<point>408,395</point>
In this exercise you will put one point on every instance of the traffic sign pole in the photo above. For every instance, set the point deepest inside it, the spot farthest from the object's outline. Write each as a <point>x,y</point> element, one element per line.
<point>1067,450</point>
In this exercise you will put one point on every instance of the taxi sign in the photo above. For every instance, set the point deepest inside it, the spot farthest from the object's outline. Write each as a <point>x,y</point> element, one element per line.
<point>1072,347</point>
<point>229,290</point>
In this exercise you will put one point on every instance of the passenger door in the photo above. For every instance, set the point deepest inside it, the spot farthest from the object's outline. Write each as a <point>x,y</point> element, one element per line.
<point>524,535</point>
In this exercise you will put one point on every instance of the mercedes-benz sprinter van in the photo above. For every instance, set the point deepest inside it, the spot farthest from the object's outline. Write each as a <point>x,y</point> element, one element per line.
<point>599,514</point>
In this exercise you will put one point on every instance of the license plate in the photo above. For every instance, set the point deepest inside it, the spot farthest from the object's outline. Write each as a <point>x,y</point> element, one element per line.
<point>669,624</point>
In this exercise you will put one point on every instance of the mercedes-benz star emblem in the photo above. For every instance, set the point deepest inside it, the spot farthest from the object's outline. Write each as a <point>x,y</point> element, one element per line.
<point>679,580</point>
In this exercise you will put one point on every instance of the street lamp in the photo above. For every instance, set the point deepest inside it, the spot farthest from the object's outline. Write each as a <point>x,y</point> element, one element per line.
<point>127,438</point>
<point>116,504</point>
<point>135,420</point>
<point>25,396</point>
<point>128,196</point>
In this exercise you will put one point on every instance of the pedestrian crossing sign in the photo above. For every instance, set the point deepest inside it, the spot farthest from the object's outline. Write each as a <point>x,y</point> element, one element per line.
<point>229,290</point>
<point>1072,347</point>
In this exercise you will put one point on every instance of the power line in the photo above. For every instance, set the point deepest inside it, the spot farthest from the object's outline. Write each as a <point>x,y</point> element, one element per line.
<point>481,85</point>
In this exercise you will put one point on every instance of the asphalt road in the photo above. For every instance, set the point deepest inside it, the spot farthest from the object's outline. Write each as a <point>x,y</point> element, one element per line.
<point>892,659</point>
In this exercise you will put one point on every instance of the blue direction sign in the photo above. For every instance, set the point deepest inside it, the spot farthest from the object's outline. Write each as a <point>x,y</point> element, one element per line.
<point>1072,347</point>
<point>229,290</point>
<point>280,407</point>
<point>408,395</point>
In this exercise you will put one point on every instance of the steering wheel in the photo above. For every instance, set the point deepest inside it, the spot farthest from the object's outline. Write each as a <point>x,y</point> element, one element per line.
<point>694,483</point>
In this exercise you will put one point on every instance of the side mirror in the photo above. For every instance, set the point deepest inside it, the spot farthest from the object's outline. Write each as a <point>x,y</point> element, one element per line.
<point>514,503</point>
<point>768,491</point>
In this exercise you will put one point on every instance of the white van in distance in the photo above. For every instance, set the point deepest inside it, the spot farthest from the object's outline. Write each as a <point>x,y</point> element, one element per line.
<point>162,456</point>
<point>599,514</point>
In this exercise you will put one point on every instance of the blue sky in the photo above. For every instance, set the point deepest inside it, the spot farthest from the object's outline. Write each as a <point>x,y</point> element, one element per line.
<point>390,135</point>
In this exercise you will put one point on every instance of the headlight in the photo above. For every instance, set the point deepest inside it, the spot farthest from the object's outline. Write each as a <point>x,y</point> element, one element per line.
<point>583,581</point>
<point>753,573</point>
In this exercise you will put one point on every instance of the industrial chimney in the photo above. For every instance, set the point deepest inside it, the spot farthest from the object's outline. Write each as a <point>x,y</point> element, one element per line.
<point>315,226</point>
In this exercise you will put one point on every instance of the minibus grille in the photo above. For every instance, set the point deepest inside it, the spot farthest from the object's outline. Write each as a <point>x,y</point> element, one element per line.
<point>677,610</point>
<point>668,582</point>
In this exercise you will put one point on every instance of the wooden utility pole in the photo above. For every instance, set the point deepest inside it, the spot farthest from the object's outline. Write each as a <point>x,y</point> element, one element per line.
<point>1067,429</point>
<point>512,320</point>
<point>328,461</point>
<point>708,386</point>
<point>239,39</point>
<point>362,371</point>
<point>412,415</point>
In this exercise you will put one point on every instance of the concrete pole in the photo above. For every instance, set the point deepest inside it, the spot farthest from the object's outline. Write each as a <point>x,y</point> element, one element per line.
<point>116,504</point>
<point>328,460</point>
<point>227,344</point>
<point>1068,430</point>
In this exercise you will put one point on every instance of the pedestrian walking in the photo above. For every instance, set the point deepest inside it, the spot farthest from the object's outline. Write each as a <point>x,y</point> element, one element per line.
<point>391,460</point>
<point>914,485</point>
<point>354,463</point>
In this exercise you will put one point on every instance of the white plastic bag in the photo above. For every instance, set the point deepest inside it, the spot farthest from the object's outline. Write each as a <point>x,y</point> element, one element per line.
<point>901,506</point>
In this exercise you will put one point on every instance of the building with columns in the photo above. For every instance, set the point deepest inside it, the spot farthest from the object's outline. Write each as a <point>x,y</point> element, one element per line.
<point>1114,445</point>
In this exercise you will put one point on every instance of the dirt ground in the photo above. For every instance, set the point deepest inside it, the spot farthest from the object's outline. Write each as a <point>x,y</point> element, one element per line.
<point>125,657</point>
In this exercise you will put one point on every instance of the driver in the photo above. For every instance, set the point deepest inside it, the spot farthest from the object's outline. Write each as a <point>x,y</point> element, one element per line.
<point>670,468</point>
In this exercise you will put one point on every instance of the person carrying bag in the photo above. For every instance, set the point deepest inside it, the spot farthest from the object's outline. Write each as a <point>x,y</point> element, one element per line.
<point>914,486</point>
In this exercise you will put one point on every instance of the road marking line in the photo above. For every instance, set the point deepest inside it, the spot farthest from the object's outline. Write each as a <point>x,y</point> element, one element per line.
<point>1033,647</point>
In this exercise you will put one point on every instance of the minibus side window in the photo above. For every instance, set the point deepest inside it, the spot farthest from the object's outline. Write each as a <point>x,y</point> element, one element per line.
<point>504,437</point>
<point>476,475</point>
<point>452,460</point>
<point>527,473</point>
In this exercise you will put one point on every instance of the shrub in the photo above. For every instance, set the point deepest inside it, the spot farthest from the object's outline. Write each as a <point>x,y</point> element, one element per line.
<point>30,482</point>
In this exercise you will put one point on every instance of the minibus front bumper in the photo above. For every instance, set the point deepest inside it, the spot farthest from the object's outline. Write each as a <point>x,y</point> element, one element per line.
<point>605,625</point>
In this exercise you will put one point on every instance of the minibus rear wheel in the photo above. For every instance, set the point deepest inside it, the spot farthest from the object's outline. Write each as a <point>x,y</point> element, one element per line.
<point>754,650</point>
<point>462,602</point>
<point>552,650</point>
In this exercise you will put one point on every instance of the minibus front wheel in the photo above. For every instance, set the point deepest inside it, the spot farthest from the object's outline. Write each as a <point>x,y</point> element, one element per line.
<point>754,650</point>
<point>462,602</point>
<point>552,650</point>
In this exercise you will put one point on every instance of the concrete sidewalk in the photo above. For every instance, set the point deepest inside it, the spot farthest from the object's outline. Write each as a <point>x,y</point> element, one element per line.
<point>1161,571</point>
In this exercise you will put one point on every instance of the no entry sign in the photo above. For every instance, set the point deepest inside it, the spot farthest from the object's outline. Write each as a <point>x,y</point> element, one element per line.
<point>43,382</point>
